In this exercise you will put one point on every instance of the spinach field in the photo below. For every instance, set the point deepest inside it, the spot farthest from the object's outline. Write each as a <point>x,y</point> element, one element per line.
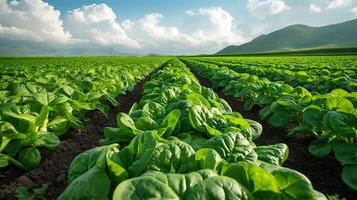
<point>227,127</point>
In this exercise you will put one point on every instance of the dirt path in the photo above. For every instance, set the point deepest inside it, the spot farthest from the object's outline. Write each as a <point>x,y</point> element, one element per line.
<point>324,173</point>
<point>54,166</point>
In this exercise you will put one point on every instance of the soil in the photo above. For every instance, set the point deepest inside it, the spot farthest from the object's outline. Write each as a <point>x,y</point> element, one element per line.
<point>54,166</point>
<point>324,173</point>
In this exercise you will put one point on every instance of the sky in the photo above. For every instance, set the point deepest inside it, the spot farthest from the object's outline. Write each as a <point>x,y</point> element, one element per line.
<point>140,27</point>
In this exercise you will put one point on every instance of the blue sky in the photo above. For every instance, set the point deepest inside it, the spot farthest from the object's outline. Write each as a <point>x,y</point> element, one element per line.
<point>155,26</point>
<point>137,8</point>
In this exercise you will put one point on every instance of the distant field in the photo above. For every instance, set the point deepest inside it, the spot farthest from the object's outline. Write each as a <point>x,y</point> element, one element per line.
<point>312,52</point>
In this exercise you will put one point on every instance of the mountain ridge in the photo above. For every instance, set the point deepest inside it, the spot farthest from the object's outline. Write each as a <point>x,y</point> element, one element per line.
<point>300,36</point>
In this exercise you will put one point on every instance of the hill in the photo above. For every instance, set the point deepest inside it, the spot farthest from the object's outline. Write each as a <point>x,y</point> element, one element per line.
<point>300,37</point>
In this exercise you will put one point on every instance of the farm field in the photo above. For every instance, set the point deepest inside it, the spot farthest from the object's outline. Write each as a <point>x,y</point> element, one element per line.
<point>179,127</point>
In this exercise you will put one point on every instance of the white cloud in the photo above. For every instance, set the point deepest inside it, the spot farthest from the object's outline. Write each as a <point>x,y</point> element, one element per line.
<point>262,8</point>
<point>150,33</point>
<point>219,30</point>
<point>314,8</point>
<point>222,27</point>
<point>32,20</point>
<point>336,3</point>
<point>96,24</point>
<point>354,11</point>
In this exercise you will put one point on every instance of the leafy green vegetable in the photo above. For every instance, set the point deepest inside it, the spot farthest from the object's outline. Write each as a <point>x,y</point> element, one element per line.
<point>274,154</point>
<point>22,193</point>
<point>30,157</point>
<point>137,155</point>
<point>219,187</point>
<point>232,147</point>
<point>258,181</point>
<point>349,176</point>
<point>180,137</point>
<point>171,157</point>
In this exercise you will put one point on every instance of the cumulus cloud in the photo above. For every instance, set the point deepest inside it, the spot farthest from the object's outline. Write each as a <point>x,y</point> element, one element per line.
<point>314,8</point>
<point>97,26</point>
<point>262,8</point>
<point>32,20</point>
<point>219,30</point>
<point>222,26</point>
<point>150,33</point>
<point>336,3</point>
<point>96,23</point>
<point>354,11</point>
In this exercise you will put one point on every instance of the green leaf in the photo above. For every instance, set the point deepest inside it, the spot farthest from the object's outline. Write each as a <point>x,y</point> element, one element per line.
<point>143,188</point>
<point>293,185</point>
<point>274,154</point>
<point>258,181</point>
<point>346,153</point>
<point>8,130</point>
<point>94,184</point>
<point>47,139</point>
<point>349,176</point>
<point>338,102</point>
<point>232,147</point>
<point>280,119</point>
<point>68,89</point>
<point>169,123</point>
<point>236,119</point>
<point>296,130</point>
<point>265,112</point>
<point>59,125</point>
<point>146,123</point>
<point>255,128</point>
<point>171,157</point>
<point>219,187</point>
<point>248,105</point>
<point>181,184</point>
<point>199,117</point>
<point>198,99</point>
<point>206,158</point>
<point>24,117</point>
<point>288,101</point>
<point>126,124</point>
<point>136,156</point>
<point>30,157</point>
<point>43,116</point>
<point>340,123</point>
<point>212,131</point>
<point>115,135</point>
<point>41,98</point>
<point>320,148</point>
<point>340,93</point>
<point>313,116</point>
<point>3,161</point>
<point>117,173</point>
<point>153,110</point>
<point>85,161</point>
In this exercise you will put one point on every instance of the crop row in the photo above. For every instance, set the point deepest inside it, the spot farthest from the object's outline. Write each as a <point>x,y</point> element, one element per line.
<point>318,80</point>
<point>330,117</point>
<point>333,66</point>
<point>40,103</point>
<point>181,141</point>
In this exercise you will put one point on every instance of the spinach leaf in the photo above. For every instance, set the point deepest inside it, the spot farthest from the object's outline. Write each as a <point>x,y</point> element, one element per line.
<point>232,147</point>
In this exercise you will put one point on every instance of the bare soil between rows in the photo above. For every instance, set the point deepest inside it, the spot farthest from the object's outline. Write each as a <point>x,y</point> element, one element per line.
<point>324,173</point>
<point>54,166</point>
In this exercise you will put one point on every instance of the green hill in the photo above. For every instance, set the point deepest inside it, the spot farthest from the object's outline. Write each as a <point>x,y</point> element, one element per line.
<point>300,37</point>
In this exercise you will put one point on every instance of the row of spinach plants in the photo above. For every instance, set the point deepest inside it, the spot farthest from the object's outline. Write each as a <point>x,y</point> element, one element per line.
<point>181,141</point>
<point>330,117</point>
<point>41,99</point>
